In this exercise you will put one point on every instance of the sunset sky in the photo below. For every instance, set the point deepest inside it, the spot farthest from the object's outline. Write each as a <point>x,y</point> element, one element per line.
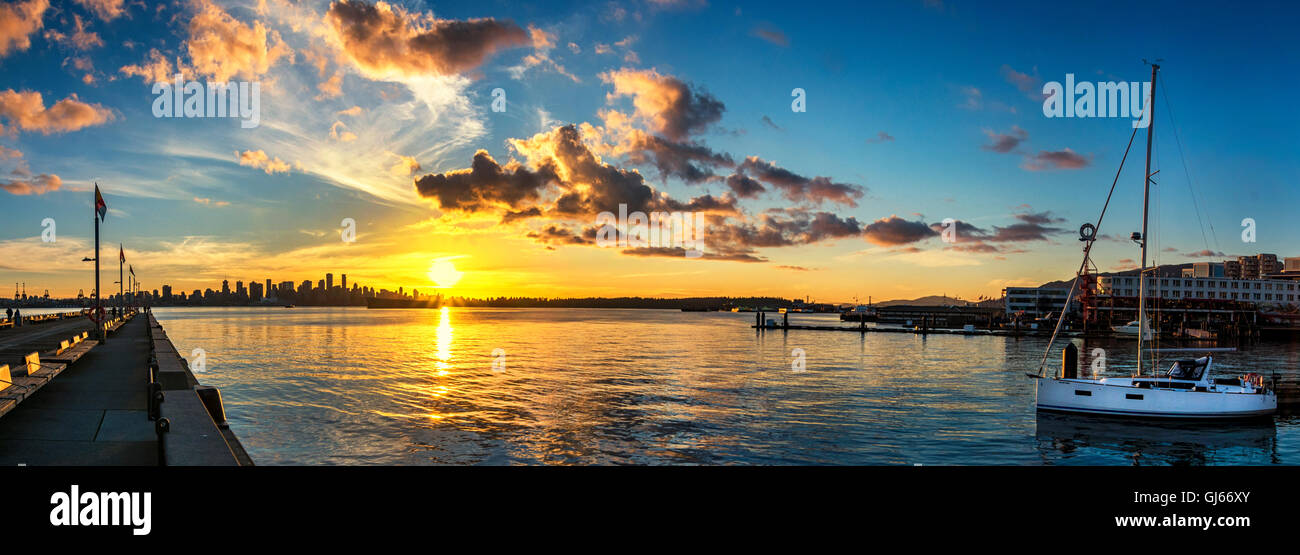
<point>916,111</point>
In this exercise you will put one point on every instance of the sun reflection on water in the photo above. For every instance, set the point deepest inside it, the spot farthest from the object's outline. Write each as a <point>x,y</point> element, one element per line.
<point>443,344</point>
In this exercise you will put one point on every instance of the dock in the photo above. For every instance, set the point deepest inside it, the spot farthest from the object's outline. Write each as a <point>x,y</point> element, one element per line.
<point>68,400</point>
<point>1288,391</point>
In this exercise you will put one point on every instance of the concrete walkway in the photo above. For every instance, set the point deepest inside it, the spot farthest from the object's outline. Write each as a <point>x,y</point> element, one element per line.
<point>94,413</point>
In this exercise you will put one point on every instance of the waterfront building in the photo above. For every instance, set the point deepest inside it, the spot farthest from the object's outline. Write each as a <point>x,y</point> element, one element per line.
<point>329,282</point>
<point>1264,292</point>
<point>1036,302</point>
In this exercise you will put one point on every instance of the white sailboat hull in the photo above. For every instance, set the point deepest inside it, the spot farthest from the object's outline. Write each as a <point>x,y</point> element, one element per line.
<point>1119,397</point>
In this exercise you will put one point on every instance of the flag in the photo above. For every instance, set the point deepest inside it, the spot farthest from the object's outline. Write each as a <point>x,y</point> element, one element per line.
<point>121,254</point>
<point>101,207</point>
<point>132,270</point>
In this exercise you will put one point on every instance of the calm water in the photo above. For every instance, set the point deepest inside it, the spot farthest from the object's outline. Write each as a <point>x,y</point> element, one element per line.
<point>411,387</point>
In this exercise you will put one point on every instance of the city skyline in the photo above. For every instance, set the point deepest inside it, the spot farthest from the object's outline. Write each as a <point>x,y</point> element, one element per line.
<point>607,104</point>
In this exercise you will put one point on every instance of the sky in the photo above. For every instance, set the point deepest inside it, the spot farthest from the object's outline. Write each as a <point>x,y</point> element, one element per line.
<point>913,113</point>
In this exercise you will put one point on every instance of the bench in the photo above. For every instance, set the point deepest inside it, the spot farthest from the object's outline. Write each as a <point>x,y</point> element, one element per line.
<point>71,351</point>
<point>45,370</point>
<point>16,388</point>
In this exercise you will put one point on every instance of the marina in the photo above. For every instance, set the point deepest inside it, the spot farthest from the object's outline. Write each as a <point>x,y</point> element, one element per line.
<point>582,386</point>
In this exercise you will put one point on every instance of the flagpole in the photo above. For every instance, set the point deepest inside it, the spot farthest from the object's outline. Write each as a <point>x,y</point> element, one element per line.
<point>121,285</point>
<point>99,304</point>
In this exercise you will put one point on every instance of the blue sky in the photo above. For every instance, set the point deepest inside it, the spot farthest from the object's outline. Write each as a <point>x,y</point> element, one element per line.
<point>191,214</point>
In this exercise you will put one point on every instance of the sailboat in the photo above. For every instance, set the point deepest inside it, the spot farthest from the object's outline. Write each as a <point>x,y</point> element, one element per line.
<point>1185,391</point>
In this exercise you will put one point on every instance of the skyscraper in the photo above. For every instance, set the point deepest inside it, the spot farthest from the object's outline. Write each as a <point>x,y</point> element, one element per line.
<point>345,282</point>
<point>329,281</point>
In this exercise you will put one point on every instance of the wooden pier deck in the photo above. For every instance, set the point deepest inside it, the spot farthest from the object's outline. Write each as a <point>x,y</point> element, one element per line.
<point>91,404</point>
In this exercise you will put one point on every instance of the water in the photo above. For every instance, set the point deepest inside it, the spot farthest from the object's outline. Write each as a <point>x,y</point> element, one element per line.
<point>414,387</point>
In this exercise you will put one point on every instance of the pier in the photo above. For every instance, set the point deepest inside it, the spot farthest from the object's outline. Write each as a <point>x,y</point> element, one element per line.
<point>69,400</point>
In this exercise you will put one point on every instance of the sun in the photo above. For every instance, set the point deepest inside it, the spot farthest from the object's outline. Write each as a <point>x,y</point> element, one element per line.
<point>444,273</point>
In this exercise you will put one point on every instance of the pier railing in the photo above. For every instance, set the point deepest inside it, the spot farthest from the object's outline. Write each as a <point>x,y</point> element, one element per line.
<point>191,432</point>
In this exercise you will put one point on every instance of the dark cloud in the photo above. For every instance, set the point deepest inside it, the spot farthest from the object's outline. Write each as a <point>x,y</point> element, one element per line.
<point>744,186</point>
<point>781,228</point>
<point>554,234</point>
<point>681,159</point>
<point>768,122</point>
<point>484,185</point>
<point>1055,160</point>
<point>382,39</point>
<point>881,137</point>
<point>679,252</point>
<point>673,108</point>
<point>797,188</point>
<point>1005,142</point>
<point>894,230</point>
<point>533,212</point>
<point>1031,227</point>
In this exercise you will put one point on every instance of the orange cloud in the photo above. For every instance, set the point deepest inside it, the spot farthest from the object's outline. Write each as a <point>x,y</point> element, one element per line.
<point>157,69</point>
<point>38,185</point>
<point>666,103</point>
<point>405,166</point>
<point>384,40</point>
<point>209,202</point>
<point>81,39</point>
<point>17,23</point>
<point>259,159</point>
<point>339,132</point>
<point>26,110</point>
<point>222,47</point>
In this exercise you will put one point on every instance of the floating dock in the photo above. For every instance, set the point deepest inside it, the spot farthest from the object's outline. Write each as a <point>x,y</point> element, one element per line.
<point>68,400</point>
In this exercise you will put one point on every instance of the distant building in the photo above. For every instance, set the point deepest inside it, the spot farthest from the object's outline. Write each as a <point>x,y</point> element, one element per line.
<point>344,285</point>
<point>1205,270</point>
<point>1036,302</point>
<point>1269,292</point>
<point>1291,265</point>
<point>1232,269</point>
<point>329,282</point>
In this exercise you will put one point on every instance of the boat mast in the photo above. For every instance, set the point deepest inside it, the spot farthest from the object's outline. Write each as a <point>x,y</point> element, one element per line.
<point>1146,197</point>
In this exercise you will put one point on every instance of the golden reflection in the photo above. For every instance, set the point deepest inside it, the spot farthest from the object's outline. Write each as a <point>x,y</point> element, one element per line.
<point>443,344</point>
